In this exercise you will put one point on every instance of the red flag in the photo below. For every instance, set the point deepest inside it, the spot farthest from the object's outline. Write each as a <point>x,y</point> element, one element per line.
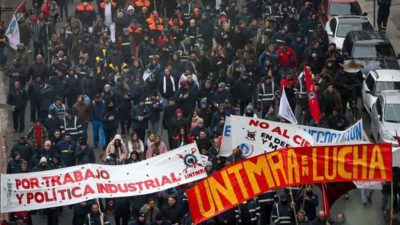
<point>46,7</point>
<point>325,200</point>
<point>333,191</point>
<point>21,7</point>
<point>313,102</point>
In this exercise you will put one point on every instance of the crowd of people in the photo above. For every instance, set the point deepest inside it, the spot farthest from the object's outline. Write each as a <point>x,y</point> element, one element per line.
<point>132,69</point>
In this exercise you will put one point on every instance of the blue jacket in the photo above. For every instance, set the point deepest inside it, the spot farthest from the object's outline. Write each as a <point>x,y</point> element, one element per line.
<point>98,110</point>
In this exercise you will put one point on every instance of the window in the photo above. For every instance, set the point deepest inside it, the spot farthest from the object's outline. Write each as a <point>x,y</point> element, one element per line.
<point>379,106</point>
<point>387,85</point>
<point>373,51</point>
<point>343,29</point>
<point>333,25</point>
<point>370,82</point>
<point>340,9</point>
<point>392,113</point>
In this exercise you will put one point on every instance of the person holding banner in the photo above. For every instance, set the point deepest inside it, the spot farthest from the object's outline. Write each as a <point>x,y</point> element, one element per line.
<point>283,212</point>
<point>266,202</point>
<point>308,201</point>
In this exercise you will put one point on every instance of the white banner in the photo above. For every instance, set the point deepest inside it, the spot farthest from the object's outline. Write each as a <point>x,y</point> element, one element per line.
<point>37,190</point>
<point>330,136</point>
<point>12,33</point>
<point>257,136</point>
<point>226,143</point>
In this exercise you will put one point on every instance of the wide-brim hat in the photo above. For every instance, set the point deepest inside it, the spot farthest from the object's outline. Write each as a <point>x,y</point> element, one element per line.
<point>351,66</point>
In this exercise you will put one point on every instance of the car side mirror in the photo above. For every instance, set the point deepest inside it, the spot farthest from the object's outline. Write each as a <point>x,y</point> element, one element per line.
<point>364,14</point>
<point>369,92</point>
<point>330,33</point>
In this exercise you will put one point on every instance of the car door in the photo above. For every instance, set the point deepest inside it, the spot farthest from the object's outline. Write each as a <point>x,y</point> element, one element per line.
<point>375,120</point>
<point>330,28</point>
<point>367,88</point>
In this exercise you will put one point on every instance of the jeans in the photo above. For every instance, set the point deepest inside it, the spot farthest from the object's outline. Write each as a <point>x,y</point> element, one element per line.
<point>19,119</point>
<point>386,201</point>
<point>98,129</point>
<point>366,195</point>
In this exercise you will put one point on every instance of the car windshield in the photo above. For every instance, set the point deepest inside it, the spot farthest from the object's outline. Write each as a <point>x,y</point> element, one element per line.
<point>344,28</point>
<point>373,51</point>
<point>387,85</point>
<point>340,9</point>
<point>392,113</point>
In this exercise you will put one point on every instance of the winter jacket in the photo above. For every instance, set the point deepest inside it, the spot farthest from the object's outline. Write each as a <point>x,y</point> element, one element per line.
<point>67,152</point>
<point>138,111</point>
<point>17,98</point>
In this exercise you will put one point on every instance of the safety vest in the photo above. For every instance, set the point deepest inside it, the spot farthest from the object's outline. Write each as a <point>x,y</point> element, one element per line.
<point>264,94</point>
<point>82,7</point>
<point>103,5</point>
<point>136,30</point>
<point>142,3</point>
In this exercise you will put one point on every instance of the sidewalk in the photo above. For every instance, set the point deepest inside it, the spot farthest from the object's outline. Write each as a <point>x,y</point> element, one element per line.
<point>393,28</point>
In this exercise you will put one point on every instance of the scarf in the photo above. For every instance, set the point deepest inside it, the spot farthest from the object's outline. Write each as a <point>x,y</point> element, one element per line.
<point>38,131</point>
<point>165,84</point>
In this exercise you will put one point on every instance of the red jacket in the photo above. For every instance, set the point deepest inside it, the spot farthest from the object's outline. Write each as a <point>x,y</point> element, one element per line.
<point>287,58</point>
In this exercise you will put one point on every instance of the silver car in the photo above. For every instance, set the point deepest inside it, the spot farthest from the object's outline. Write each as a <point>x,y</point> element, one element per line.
<point>385,118</point>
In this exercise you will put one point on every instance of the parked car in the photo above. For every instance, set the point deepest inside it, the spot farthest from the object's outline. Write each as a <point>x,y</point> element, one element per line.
<point>385,118</point>
<point>339,26</point>
<point>376,82</point>
<point>371,48</point>
<point>330,8</point>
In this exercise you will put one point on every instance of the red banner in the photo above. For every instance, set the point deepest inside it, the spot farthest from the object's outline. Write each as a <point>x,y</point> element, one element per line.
<point>293,166</point>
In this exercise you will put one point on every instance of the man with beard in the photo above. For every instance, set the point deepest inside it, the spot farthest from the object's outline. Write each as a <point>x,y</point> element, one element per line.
<point>172,211</point>
<point>308,201</point>
<point>95,217</point>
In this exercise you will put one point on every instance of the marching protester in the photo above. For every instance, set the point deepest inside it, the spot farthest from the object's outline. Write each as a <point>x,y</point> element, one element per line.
<point>133,69</point>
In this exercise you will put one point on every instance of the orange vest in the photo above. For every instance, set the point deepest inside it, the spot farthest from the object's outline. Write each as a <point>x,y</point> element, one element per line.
<point>88,7</point>
<point>171,22</point>
<point>153,26</point>
<point>103,5</point>
<point>136,30</point>
<point>142,3</point>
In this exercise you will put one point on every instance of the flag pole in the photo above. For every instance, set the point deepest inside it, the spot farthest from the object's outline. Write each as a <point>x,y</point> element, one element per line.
<point>293,205</point>
<point>391,203</point>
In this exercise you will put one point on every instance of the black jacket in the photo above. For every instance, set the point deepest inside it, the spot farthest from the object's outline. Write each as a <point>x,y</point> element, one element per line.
<point>17,98</point>
<point>140,111</point>
<point>172,213</point>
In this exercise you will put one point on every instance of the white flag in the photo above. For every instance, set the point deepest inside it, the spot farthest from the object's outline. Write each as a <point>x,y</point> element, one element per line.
<point>12,33</point>
<point>285,111</point>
